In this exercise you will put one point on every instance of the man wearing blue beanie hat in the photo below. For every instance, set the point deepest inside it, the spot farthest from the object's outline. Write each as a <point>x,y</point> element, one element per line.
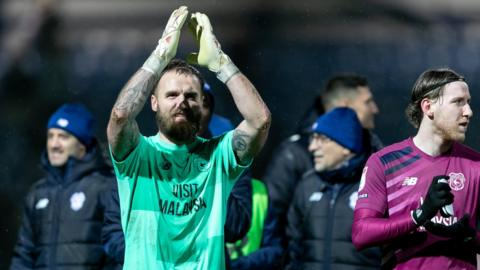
<point>75,119</point>
<point>291,159</point>
<point>342,126</point>
<point>321,214</point>
<point>65,209</point>
<point>75,124</point>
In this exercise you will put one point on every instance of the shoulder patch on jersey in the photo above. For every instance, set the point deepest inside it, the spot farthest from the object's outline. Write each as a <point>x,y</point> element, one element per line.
<point>362,180</point>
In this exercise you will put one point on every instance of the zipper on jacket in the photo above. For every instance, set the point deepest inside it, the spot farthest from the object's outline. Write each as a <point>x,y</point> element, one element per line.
<point>56,225</point>
<point>335,190</point>
<point>57,213</point>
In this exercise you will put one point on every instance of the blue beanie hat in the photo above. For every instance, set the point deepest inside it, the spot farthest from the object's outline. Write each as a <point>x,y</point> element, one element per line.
<point>342,126</point>
<point>76,120</point>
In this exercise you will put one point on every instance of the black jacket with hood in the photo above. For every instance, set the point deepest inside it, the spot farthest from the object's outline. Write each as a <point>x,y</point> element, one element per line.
<point>63,217</point>
<point>320,221</point>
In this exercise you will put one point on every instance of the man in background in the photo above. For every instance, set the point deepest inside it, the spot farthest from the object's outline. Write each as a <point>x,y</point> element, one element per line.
<point>321,213</point>
<point>292,158</point>
<point>64,211</point>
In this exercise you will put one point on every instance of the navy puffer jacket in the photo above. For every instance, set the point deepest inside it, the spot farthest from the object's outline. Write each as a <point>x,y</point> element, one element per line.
<point>64,212</point>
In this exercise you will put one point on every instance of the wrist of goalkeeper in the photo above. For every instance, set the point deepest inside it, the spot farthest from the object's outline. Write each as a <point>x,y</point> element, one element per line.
<point>227,70</point>
<point>155,64</point>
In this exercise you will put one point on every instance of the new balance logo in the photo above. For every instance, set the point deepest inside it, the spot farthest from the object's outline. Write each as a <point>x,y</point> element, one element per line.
<point>410,181</point>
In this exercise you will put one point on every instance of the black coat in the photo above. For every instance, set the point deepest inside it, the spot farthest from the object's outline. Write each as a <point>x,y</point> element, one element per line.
<point>290,161</point>
<point>63,218</point>
<point>320,225</point>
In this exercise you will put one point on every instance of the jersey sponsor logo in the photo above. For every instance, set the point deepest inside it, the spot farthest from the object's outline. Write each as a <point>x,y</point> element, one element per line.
<point>447,221</point>
<point>182,208</point>
<point>185,190</point>
<point>42,203</point>
<point>353,199</point>
<point>363,179</point>
<point>410,181</point>
<point>456,181</point>
<point>190,201</point>
<point>77,200</point>
<point>316,196</point>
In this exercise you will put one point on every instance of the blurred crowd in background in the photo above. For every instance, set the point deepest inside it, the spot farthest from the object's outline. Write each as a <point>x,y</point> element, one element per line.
<point>55,51</point>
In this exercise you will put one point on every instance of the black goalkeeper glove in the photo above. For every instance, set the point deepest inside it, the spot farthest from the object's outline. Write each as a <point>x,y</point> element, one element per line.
<point>459,230</point>
<point>438,195</point>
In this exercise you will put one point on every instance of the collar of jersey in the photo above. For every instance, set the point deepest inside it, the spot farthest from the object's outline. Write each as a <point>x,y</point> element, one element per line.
<point>171,147</point>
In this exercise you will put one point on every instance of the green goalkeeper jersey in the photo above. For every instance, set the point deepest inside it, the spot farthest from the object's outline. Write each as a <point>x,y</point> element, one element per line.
<point>173,202</point>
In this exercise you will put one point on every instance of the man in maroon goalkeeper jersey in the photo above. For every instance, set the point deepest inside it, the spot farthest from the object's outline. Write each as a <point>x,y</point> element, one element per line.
<point>419,198</point>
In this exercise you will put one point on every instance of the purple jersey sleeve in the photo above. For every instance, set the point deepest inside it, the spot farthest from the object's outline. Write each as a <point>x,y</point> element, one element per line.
<point>370,228</point>
<point>372,193</point>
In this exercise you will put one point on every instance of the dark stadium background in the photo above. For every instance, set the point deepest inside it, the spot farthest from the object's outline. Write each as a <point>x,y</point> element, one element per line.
<point>86,50</point>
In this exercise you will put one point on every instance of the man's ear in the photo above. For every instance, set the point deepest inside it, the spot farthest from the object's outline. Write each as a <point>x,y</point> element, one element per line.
<point>154,102</point>
<point>81,150</point>
<point>427,107</point>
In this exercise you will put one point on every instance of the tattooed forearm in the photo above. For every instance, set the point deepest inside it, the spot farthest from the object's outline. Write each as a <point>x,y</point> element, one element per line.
<point>251,134</point>
<point>240,142</point>
<point>133,96</point>
<point>122,130</point>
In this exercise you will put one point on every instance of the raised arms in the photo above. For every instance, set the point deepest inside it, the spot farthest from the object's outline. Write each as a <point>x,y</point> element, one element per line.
<point>250,135</point>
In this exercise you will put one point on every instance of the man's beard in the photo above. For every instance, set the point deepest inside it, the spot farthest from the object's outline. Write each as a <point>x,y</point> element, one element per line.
<point>182,132</point>
<point>450,133</point>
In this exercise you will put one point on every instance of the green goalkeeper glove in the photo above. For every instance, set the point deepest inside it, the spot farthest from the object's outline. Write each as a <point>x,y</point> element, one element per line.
<point>168,43</point>
<point>210,53</point>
